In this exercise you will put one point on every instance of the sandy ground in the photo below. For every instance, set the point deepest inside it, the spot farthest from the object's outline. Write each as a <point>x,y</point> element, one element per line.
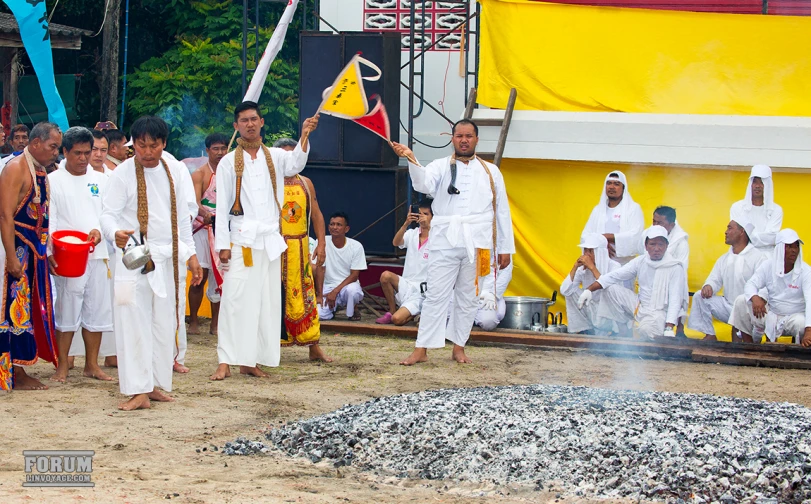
<point>152,455</point>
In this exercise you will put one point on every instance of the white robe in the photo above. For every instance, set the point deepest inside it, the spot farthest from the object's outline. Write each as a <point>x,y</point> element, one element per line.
<point>249,331</point>
<point>462,223</point>
<point>585,318</point>
<point>767,219</point>
<point>729,274</point>
<point>660,283</point>
<point>146,317</point>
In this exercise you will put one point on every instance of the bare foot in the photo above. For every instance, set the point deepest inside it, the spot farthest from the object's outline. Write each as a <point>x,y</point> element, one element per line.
<point>71,361</point>
<point>179,368</point>
<point>212,329</point>
<point>710,337</point>
<point>223,371</point>
<point>111,361</point>
<point>140,401</point>
<point>24,382</point>
<point>61,374</point>
<point>459,355</point>
<point>157,395</point>
<point>253,371</point>
<point>317,354</point>
<point>97,373</point>
<point>418,355</point>
<point>194,328</point>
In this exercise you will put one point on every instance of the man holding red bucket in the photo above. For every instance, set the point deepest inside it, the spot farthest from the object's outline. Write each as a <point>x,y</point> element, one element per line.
<point>79,264</point>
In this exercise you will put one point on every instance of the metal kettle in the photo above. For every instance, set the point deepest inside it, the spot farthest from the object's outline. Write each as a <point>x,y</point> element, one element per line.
<point>136,256</point>
<point>556,324</point>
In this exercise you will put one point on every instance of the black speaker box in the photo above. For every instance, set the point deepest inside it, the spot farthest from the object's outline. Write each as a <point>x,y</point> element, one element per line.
<point>341,142</point>
<point>365,195</point>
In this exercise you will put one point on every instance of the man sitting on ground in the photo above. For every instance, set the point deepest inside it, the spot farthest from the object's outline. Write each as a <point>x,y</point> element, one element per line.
<point>345,260</point>
<point>678,248</point>
<point>661,283</point>
<point>492,306</point>
<point>730,274</point>
<point>588,268</point>
<point>774,301</point>
<point>404,291</point>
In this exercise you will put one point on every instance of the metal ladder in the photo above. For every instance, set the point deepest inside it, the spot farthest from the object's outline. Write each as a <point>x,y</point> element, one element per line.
<point>503,123</point>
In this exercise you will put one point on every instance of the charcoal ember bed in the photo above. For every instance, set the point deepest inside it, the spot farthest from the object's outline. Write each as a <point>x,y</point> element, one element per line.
<point>593,442</point>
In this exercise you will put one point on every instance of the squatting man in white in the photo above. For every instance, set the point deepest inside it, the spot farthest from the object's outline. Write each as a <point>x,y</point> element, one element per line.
<point>587,269</point>
<point>661,282</point>
<point>777,299</point>
<point>471,218</point>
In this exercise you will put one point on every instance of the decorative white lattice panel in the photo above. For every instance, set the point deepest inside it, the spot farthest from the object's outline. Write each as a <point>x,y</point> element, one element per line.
<point>439,18</point>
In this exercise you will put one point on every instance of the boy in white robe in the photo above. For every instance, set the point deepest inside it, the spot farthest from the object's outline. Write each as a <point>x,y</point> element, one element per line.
<point>661,282</point>
<point>471,212</point>
<point>146,304</point>
<point>777,299</point>
<point>83,302</point>
<point>730,274</point>
<point>759,208</point>
<point>617,217</point>
<point>590,266</point>
<point>249,242</point>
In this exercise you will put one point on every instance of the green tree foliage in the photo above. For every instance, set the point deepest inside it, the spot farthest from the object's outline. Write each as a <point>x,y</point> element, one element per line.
<point>196,84</point>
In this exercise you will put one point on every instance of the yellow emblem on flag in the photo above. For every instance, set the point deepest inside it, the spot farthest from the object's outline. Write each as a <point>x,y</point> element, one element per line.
<point>346,98</point>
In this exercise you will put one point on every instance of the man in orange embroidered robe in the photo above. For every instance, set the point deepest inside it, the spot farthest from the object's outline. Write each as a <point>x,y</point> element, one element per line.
<point>301,294</point>
<point>27,327</point>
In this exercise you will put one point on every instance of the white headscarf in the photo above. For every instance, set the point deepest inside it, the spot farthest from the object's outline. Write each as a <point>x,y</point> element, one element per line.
<point>745,224</point>
<point>783,238</point>
<point>765,174</point>
<point>626,201</point>
<point>599,244</point>
<point>659,292</point>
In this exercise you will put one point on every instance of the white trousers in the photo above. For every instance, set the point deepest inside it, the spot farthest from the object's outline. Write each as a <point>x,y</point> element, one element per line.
<point>490,319</point>
<point>588,318</point>
<point>204,258</point>
<point>704,310</point>
<point>618,304</point>
<point>349,297</point>
<point>249,331</point>
<point>743,318</point>
<point>107,347</point>
<point>409,296</point>
<point>146,327</point>
<point>180,342</point>
<point>449,273</point>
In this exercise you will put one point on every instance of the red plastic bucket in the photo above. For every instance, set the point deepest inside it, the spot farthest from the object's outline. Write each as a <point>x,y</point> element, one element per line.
<point>71,258</point>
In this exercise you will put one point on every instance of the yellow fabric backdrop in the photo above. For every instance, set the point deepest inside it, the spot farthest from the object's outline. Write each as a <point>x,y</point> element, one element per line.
<point>583,58</point>
<point>551,201</point>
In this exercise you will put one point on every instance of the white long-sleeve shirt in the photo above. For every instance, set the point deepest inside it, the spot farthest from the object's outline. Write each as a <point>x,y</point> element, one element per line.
<point>187,183</point>
<point>627,229</point>
<point>258,227</point>
<point>465,219</point>
<point>584,277</point>
<point>76,204</point>
<point>732,271</point>
<point>639,269</point>
<point>767,222</point>
<point>785,297</point>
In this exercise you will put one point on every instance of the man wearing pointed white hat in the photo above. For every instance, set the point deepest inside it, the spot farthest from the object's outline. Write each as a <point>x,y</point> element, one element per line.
<point>729,274</point>
<point>759,208</point>
<point>777,299</point>
<point>661,283</point>
<point>617,217</point>
<point>586,270</point>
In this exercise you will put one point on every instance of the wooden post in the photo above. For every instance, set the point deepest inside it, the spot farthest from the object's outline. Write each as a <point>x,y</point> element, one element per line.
<point>14,79</point>
<point>109,63</point>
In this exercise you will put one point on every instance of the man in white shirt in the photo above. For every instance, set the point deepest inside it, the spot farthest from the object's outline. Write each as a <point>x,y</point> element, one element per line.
<point>617,217</point>
<point>588,268</point>
<point>661,282</point>
<point>145,197</point>
<point>730,274</point>
<point>84,302</point>
<point>250,193</point>
<point>471,218</point>
<point>345,260</point>
<point>116,148</point>
<point>759,208</point>
<point>404,291</point>
<point>776,301</point>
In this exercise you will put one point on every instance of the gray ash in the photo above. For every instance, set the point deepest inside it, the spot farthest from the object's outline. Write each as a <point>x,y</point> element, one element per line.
<point>592,442</point>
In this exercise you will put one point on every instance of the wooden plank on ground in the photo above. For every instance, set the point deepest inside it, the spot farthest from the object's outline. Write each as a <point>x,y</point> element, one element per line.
<point>751,358</point>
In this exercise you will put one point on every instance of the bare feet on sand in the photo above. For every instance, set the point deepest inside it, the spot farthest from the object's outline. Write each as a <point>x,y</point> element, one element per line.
<point>96,372</point>
<point>140,401</point>
<point>71,362</point>
<point>157,395</point>
<point>317,354</point>
<point>212,330</point>
<point>179,368</point>
<point>253,371</point>
<point>418,355</point>
<point>61,374</point>
<point>111,361</point>
<point>223,371</point>
<point>459,355</point>
<point>194,328</point>
<point>24,382</point>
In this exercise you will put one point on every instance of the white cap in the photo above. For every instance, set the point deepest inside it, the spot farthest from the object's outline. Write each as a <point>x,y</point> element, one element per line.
<point>787,236</point>
<point>656,232</point>
<point>593,241</point>
<point>746,225</point>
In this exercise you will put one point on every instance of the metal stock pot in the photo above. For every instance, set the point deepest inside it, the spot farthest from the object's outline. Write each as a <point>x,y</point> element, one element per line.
<point>521,310</point>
